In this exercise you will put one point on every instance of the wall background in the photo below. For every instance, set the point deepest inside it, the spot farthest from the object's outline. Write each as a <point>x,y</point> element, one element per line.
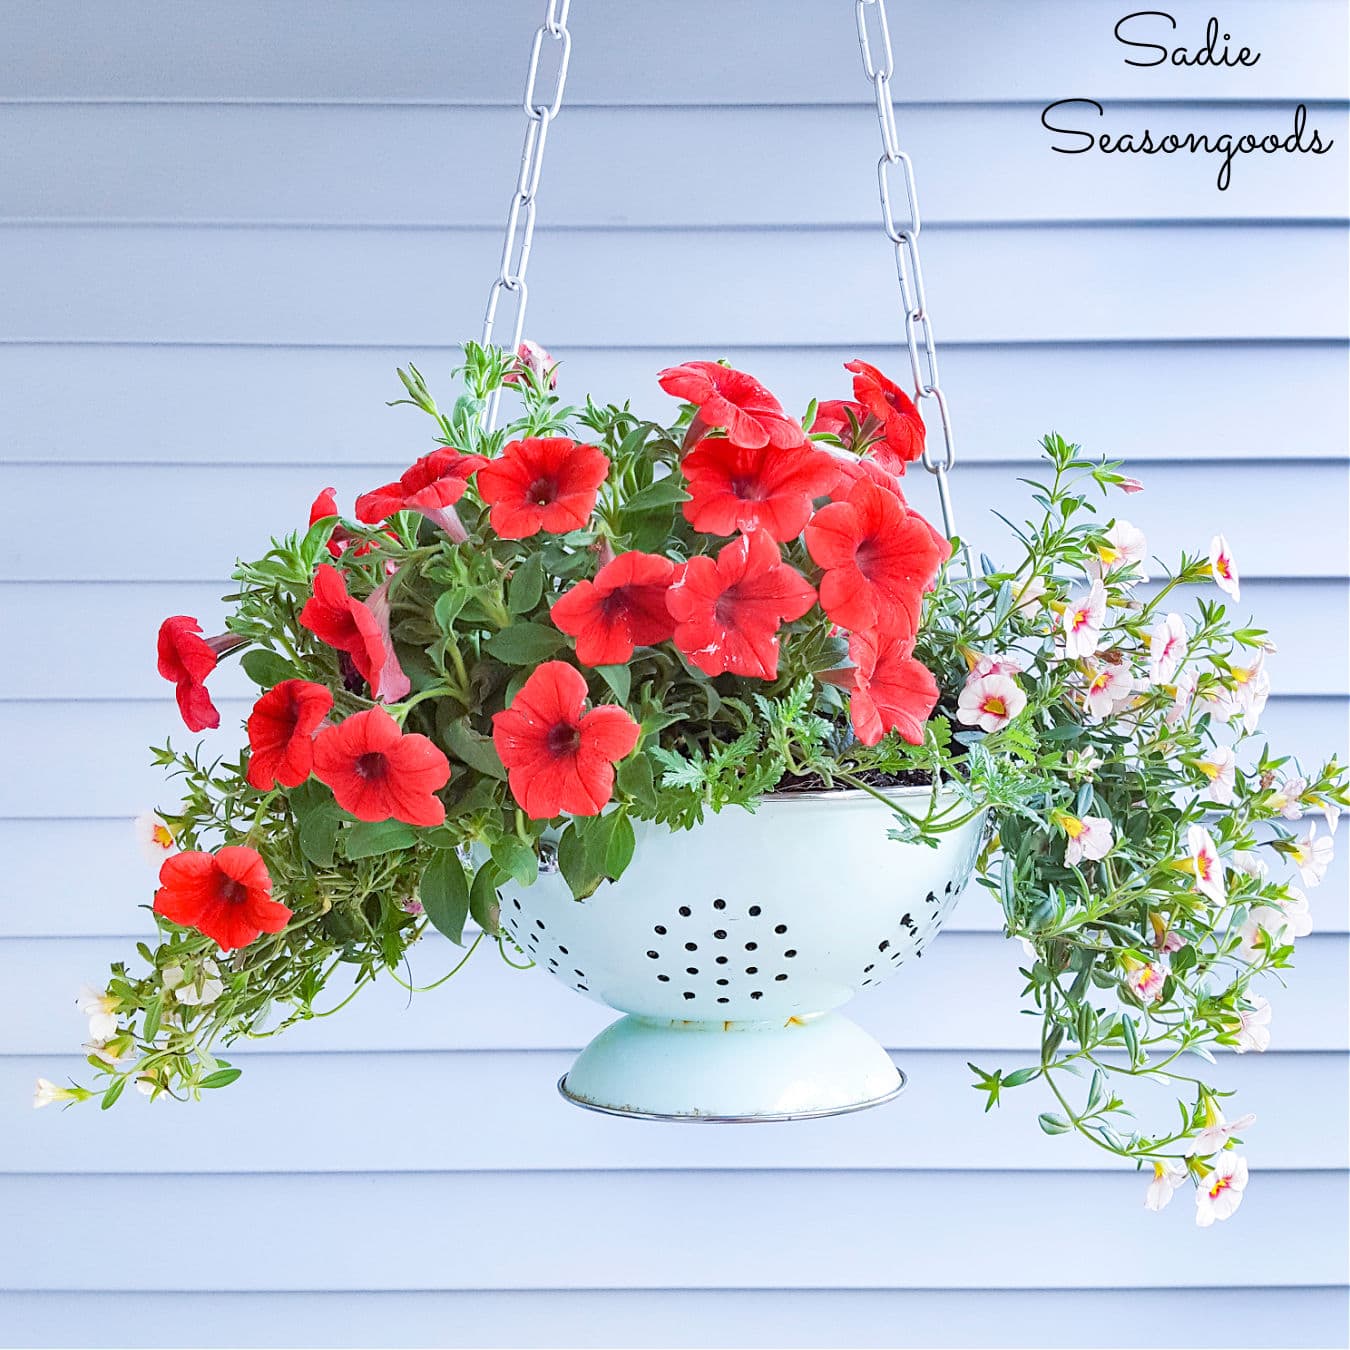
<point>221,227</point>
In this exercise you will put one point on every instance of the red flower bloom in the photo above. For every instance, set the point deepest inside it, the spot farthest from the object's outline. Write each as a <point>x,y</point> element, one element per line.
<point>433,484</point>
<point>728,612</point>
<point>839,417</point>
<point>734,488</point>
<point>730,399</point>
<point>878,558</point>
<point>186,659</point>
<point>891,691</point>
<point>281,731</point>
<point>547,483</point>
<point>902,427</point>
<point>227,895</point>
<point>624,607</point>
<point>557,756</point>
<point>377,772</point>
<point>324,507</point>
<point>531,356</point>
<point>345,624</point>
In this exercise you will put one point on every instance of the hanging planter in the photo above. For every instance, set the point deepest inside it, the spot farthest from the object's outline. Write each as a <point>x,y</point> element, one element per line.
<point>731,946</point>
<point>706,720</point>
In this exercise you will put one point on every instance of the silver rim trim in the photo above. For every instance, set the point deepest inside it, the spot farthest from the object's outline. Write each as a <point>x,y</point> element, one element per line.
<point>688,1119</point>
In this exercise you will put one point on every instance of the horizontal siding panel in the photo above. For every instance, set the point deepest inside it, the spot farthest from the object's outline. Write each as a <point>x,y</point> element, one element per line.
<point>614,287</point>
<point>963,993</point>
<point>105,882</point>
<point>326,406</point>
<point>191,523</point>
<point>781,1319</point>
<point>119,620</point>
<point>764,52</point>
<point>366,165</point>
<point>695,1229</point>
<point>507,1105</point>
<point>90,759</point>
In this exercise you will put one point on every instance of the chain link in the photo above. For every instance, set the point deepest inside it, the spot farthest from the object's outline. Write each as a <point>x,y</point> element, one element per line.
<point>541,107</point>
<point>895,172</point>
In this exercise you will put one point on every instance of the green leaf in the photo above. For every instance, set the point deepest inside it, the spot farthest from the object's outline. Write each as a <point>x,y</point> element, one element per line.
<point>483,902</point>
<point>221,1078</point>
<point>266,668</point>
<point>316,540</point>
<point>622,842</point>
<point>516,859</point>
<point>1052,1123</point>
<point>319,819</point>
<point>666,491</point>
<point>150,1028</point>
<point>575,864</point>
<point>619,679</point>
<point>447,608</point>
<point>1131,1034</point>
<point>1019,1076</point>
<point>444,892</point>
<point>478,752</point>
<point>114,1091</point>
<point>366,838</point>
<point>635,779</point>
<point>527,585</point>
<point>524,644</point>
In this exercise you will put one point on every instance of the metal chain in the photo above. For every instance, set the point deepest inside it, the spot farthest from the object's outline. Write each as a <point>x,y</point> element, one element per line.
<point>540,112</point>
<point>874,41</point>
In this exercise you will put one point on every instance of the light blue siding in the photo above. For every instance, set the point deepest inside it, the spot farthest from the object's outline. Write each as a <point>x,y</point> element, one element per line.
<point>222,227</point>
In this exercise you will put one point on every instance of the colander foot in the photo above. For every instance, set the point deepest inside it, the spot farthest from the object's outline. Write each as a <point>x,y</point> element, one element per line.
<point>732,1072</point>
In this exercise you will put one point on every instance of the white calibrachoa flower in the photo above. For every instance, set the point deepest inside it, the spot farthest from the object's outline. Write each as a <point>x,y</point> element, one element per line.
<point>1205,863</point>
<point>1146,980</point>
<point>1253,1031</point>
<point>1220,1193</point>
<point>201,992</point>
<point>1082,622</point>
<point>1110,688</point>
<point>1007,663</point>
<point>1220,767</point>
<point>112,1052</point>
<point>155,838</point>
<point>1312,856</point>
<point>1090,837</point>
<point>1027,595</point>
<point>1284,920</point>
<point>1285,798</point>
<point>1125,546</point>
<point>989,701</point>
<point>46,1093</point>
<point>1250,864</point>
<point>1217,1132</point>
<point>1167,1176</point>
<point>1223,567</point>
<point>101,1010</point>
<point>1166,648</point>
<point>1183,695</point>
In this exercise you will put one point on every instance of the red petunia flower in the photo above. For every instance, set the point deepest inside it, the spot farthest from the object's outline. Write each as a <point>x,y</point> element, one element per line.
<point>624,607</point>
<point>735,488</point>
<point>878,558</point>
<point>901,425</point>
<point>559,757</point>
<point>734,401</point>
<point>345,624</point>
<point>379,772</point>
<point>547,483</point>
<point>432,486</point>
<point>324,507</point>
<point>891,691</point>
<point>534,358</point>
<point>227,895</point>
<point>186,659</point>
<point>728,612</point>
<point>841,417</point>
<point>281,731</point>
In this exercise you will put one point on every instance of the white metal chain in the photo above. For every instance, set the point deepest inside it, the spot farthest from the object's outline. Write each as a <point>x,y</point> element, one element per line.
<point>874,41</point>
<point>540,110</point>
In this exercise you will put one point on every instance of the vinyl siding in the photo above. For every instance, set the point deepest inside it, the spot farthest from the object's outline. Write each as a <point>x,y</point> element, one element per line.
<point>221,228</point>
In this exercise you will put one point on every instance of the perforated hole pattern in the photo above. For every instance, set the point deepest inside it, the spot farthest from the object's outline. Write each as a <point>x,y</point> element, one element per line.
<point>709,952</point>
